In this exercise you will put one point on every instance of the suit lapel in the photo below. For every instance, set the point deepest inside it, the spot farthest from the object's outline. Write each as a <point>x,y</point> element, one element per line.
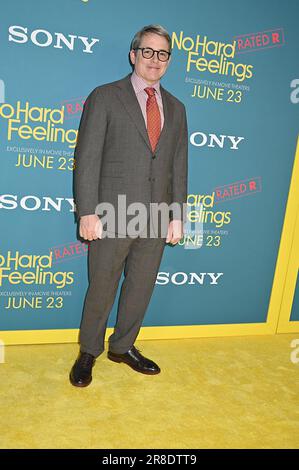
<point>130,102</point>
<point>166,112</point>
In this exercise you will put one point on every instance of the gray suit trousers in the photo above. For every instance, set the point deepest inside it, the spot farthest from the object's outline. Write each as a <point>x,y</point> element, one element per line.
<point>140,259</point>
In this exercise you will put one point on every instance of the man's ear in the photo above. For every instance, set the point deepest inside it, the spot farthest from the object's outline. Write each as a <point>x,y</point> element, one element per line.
<point>133,56</point>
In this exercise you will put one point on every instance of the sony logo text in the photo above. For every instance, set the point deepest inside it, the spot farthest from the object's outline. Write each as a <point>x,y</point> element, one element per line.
<point>43,38</point>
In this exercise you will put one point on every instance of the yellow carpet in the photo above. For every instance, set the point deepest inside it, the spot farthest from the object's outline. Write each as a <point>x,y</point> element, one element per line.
<point>239,392</point>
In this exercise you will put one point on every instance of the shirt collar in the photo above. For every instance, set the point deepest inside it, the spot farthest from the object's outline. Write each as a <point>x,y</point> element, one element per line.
<point>139,84</point>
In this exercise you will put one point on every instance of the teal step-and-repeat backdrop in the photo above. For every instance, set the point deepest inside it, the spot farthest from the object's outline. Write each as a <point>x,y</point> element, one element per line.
<point>236,69</point>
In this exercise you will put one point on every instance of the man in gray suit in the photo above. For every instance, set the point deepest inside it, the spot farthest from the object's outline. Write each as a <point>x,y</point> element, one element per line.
<point>132,141</point>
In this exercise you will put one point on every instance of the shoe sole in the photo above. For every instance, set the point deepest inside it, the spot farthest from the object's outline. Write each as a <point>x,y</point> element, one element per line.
<point>119,361</point>
<point>75,384</point>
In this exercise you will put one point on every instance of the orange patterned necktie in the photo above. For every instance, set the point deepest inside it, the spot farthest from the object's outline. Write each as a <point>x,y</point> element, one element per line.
<point>153,117</point>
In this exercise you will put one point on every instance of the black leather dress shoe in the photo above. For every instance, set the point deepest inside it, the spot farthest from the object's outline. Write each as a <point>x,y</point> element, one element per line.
<point>80,375</point>
<point>135,360</point>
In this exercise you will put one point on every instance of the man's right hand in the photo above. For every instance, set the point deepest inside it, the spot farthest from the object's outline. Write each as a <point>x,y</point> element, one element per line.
<point>90,227</point>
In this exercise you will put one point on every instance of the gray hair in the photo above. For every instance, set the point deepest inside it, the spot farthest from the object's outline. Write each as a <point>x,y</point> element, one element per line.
<point>151,28</point>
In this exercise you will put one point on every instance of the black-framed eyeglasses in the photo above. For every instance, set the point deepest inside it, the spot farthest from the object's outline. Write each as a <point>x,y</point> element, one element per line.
<point>148,53</point>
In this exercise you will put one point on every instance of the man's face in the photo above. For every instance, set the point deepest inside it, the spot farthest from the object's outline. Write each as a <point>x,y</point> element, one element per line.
<point>151,70</point>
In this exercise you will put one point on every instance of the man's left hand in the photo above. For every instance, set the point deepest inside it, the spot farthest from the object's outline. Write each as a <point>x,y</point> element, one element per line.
<point>175,232</point>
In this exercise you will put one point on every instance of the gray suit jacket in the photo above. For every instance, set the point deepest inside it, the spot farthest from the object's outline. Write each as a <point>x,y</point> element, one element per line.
<point>113,153</point>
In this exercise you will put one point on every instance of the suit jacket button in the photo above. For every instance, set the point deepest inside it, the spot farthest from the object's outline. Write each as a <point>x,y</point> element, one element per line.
<point>153,179</point>
<point>150,179</point>
<point>154,156</point>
